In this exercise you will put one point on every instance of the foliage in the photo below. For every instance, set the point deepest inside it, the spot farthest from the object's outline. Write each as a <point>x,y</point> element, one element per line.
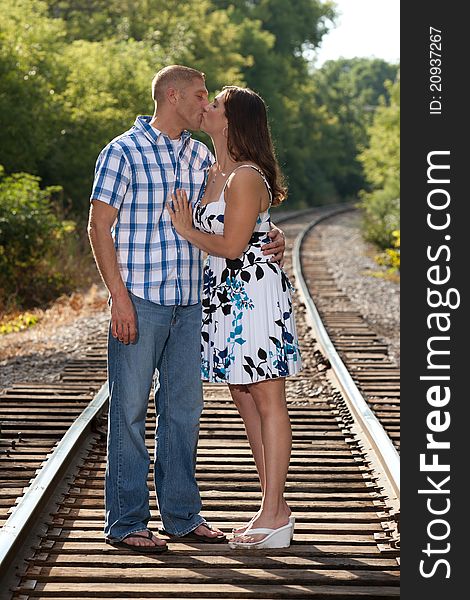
<point>258,44</point>
<point>296,26</point>
<point>75,75</point>
<point>391,256</point>
<point>381,210</point>
<point>381,161</point>
<point>32,238</point>
<point>277,34</point>
<point>18,323</point>
<point>349,90</point>
<point>100,93</point>
<point>29,45</point>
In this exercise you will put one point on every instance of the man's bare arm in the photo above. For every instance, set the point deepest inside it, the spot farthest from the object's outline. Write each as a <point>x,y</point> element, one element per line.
<point>123,321</point>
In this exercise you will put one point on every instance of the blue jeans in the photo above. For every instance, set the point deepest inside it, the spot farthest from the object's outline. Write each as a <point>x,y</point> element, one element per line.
<point>168,341</point>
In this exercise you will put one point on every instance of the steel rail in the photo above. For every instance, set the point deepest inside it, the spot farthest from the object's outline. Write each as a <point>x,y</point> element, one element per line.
<point>305,572</point>
<point>380,447</point>
<point>16,527</point>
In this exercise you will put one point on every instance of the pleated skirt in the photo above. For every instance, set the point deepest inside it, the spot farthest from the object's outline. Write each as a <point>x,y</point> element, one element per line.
<point>249,332</point>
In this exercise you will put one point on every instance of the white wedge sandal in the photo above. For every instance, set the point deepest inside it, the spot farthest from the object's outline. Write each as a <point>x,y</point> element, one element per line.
<point>291,522</point>
<point>275,538</point>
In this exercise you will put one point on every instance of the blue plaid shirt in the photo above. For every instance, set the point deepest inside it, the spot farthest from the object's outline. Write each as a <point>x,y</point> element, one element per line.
<point>136,173</point>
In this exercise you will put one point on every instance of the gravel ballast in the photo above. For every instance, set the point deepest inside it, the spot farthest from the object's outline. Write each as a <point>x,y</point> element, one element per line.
<point>40,353</point>
<point>350,260</point>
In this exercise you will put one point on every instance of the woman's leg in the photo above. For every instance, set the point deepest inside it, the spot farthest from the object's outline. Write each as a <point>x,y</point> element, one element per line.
<point>249,413</point>
<point>270,400</point>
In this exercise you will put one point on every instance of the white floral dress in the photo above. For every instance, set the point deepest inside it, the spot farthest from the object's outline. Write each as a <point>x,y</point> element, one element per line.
<point>248,323</point>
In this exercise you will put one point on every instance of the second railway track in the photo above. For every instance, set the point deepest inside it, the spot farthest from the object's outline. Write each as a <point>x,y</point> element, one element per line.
<point>343,542</point>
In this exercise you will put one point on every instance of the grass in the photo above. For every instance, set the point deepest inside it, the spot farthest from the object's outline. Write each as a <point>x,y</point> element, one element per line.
<point>62,311</point>
<point>388,275</point>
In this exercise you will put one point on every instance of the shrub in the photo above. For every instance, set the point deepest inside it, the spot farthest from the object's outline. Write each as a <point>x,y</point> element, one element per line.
<point>381,162</point>
<point>391,256</point>
<point>17,323</point>
<point>381,214</point>
<point>32,242</point>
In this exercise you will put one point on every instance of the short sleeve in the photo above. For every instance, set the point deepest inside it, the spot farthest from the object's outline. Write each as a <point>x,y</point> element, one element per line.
<point>112,176</point>
<point>207,162</point>
<point>210,158</point>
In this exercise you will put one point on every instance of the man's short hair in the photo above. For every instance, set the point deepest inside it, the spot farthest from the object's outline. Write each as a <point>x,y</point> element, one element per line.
<point>172,75</point>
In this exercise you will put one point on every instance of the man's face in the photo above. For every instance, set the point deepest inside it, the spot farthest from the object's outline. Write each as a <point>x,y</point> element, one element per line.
<point>192,100</point>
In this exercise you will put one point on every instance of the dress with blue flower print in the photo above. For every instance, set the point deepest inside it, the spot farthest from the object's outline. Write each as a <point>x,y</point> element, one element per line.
<point>248,323</point>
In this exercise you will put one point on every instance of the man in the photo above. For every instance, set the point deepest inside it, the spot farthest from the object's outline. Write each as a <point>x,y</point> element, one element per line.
<point>154,279</point>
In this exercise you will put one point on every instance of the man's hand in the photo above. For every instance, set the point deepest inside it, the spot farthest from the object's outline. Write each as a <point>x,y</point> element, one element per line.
<point>123,320</point>
<point>277,247</point>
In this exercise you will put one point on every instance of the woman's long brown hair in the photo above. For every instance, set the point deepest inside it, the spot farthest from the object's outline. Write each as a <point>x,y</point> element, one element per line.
<point>249,138</point>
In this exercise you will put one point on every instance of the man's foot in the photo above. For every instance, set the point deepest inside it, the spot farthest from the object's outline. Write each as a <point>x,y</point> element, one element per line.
<point>205,530</point>
<point>142,542</point>
<point>203,533</point>
<point>142,538</point>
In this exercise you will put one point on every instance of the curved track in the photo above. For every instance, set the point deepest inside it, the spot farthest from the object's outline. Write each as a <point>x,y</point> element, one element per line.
<point>363,352</point>
<point>345,523</point>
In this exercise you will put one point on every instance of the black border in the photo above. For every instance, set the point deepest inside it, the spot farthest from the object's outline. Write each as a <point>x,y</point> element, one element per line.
<point>421,133</point>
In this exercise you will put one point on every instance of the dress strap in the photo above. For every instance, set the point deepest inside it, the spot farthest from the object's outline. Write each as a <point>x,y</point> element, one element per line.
<point>262,175</point>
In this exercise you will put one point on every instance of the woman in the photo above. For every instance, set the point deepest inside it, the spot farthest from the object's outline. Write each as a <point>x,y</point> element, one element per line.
<point>249,337</point>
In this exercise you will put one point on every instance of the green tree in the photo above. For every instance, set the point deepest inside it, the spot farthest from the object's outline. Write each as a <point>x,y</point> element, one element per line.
<point>32,242</point>
<point>101,92</point>
<point>70,94</point>
<point>76,73</point>
<point>381,160</point>
<point>297,26</point>
<point>280,73</point>
<point>350,89</point>
<point>106,83</point>
<point>29,45</point>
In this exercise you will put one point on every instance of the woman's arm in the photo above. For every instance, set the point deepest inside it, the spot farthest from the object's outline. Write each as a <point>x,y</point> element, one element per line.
<point>244,196</point>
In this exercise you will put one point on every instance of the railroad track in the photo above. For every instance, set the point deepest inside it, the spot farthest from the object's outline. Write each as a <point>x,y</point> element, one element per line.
<point>366,356</point>
<point>344,543</point>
